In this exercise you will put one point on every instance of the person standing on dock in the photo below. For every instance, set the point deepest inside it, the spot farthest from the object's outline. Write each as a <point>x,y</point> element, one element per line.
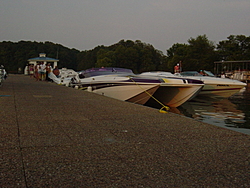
<point>56,72</point>
<point>42,71</point>
<point>36,74</point>
<point>31,70</point>
<point>177,68</point>
<point>48,71</point>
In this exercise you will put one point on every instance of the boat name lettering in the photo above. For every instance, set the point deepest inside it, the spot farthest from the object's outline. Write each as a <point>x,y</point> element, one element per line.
<point>222,85</point>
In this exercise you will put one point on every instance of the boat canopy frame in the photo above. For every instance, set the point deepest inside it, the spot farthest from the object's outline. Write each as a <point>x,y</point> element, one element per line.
<point>229,66</point>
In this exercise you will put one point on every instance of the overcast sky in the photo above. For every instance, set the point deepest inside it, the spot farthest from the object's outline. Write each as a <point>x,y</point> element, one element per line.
<point>85,24</point>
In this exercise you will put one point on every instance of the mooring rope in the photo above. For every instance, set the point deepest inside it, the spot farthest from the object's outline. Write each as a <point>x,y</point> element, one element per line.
<point>163,106</point>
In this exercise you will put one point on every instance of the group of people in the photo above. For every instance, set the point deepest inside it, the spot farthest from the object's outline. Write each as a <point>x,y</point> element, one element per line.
<point>41,71</point>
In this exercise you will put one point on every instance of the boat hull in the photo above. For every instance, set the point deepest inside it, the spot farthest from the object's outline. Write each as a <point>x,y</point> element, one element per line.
<point>221,90</point>
<point>174,91</point>
<point>174,96</point>
<point>218,87</point>
<point>131,92</point>
<point>221,87</point>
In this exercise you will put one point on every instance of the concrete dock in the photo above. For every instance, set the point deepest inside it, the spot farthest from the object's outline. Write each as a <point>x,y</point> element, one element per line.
<point>55,136</point>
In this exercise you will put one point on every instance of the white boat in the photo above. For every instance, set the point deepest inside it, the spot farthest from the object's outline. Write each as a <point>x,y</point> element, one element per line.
<point>117,83</point>
<point>3,74</point>
<point>64,77</point>
<point>222,87</point>
<point>175,91</point>
<point>1,77</point>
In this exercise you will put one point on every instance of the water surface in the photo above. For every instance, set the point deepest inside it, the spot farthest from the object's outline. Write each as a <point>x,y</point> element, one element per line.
<point>232,113</point>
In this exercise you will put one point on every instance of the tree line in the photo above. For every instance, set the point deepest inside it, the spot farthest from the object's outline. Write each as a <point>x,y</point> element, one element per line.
<point>197,53</point>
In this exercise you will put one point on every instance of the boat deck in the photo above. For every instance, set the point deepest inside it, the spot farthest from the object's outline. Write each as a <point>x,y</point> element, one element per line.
<point>55,136</point>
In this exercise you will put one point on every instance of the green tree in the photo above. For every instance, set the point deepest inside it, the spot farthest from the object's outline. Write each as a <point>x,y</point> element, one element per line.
<point>105,58</point>
<point>199,53</point>
<point>104,62</point>
<point>16,54</point>
<point>175,54</point>
<point>236,47</point>
<point>146,60</point>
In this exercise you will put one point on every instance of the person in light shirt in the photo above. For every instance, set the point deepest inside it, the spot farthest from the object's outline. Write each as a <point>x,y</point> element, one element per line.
<point>42,71</point>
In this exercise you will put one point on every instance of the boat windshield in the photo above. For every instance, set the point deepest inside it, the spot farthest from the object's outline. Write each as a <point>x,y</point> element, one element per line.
<point>195,73</point>
<point>208,73</point>
<point>158,73</point>
<point>190,73</point>
<point>104,71</point>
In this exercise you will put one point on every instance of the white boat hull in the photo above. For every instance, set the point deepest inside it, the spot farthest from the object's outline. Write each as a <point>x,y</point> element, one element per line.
<point>222,87</point>
<point>134,93</point>
<point>174,96</point>
<point>175,91</point>
<point>221,90</point>
<point>218,87</point>
<point>121,87</point>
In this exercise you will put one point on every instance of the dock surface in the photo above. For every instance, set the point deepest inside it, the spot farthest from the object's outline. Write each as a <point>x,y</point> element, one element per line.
<point>55,136</point>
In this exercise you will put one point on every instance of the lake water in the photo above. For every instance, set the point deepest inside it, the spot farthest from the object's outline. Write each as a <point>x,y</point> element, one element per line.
<point>231,113</point>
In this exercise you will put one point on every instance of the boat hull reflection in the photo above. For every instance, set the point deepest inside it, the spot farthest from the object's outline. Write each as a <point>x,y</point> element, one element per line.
<point>216,111</point>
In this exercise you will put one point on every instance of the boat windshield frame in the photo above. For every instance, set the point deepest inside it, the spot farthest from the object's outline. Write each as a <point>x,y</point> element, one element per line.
<point>208,73</point>
<point>190,73</point>
<point>195,73</point>
<point>105,71</point>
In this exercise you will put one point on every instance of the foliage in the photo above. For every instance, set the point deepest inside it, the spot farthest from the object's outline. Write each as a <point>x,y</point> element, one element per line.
<point>136,55</point>
<point>175,54</point>
<point>15,55</point>
<point>234,48</point>
<point>198,53</point>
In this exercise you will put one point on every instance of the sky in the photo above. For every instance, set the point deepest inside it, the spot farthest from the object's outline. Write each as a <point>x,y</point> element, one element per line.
<point>85,24</point>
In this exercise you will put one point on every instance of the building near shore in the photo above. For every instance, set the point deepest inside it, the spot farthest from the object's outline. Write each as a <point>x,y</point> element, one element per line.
<point>42,58</point>
<point>238,70</point>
